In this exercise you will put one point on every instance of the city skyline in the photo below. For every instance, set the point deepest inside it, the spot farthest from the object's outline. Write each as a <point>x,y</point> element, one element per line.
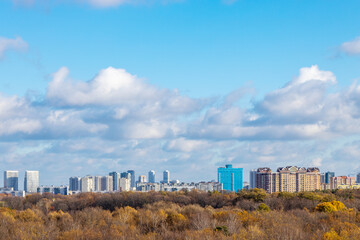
<point>190,85</point>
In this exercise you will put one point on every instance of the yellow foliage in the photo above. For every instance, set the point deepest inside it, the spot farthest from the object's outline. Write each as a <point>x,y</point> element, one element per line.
<point>28,216</point>
<point>329,207</point>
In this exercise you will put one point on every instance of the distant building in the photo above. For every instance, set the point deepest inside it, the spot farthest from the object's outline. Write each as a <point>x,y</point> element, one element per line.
<point>11,180</point>
<point>288,179</point>
<point>152,176</point>
<point>87,184</point>
<point>328,176</point>
<point>132,179</point>
<point>74,184</point>
<point>322,178</point>
<point>341,180</point>
<point>208,186</point>
<point>125,184</point>
<point>31,181</point>
<point>142,178</point>
<point>166,176</point>
<point>146,187</point>
<point>231,178</point>
<point>115,177</point>
<point>252,178</point>
<point>358,178</point>
<point>62,190</point>
<point>106,184</point>
<point>125,175</point>
<point>97,183</point>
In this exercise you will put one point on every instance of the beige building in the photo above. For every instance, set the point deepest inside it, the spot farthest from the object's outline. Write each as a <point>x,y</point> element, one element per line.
<point>341,180</point>
<point>288,179</point>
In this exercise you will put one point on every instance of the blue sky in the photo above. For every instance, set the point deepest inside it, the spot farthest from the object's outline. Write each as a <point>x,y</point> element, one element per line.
<point>259,83</point>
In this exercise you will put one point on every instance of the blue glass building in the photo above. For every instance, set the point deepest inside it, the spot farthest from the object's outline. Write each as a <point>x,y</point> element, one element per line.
<point>328,176</point>
<point>231,178</point>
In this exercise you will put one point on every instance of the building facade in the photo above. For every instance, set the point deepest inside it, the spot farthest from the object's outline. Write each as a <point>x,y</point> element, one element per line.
<point>142,178</point>
<point>115,177</point>
<point>132,178</point>
<point>152,176</point>
<point>31,181</point>
<point>74,184</point>
<point>125,184</point>
<point>231,178</point>
<point>328,176</point>
<point>335,182</point>
<point>62,190</point>
<point>107,184</point>
<point>288,179</point>
<point>252,178</point>
<point>87,184</point>
<point>11,180</point>
<point>166,176</point>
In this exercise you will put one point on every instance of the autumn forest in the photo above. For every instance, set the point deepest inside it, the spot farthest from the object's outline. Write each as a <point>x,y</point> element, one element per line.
<point>183,215</point>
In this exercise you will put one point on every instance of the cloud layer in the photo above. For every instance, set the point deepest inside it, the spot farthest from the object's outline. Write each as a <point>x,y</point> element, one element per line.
<point>118,120</point>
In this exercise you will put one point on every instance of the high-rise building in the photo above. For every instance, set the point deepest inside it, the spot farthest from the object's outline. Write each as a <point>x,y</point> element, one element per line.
<point>142,178</point>
<point>288,179</point>
<point>87,184</point>
<point>358,178</point>
<point>252,178</point>
<point>322,178</point>
<point>152,176</point>
<point>125,175</point>
<point>231,178</point>
<point>115,177</point>
<point>97,183</point>
<point>166,176</point>
<point>328,176</point>
<point>132,179</point>
<point>124,184</point>
<point>107,183</point>
<point>74,184</point>
<point>31,181</point>
<point>11,180</point>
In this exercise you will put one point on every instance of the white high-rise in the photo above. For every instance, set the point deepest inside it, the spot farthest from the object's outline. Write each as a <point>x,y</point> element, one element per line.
<point>124,184</point>
<point>142,178</point>
<point>166,176</point>
<point>31,181</point>
<point>87,184</point>
<point>152,176</point>
<point>97,183</point>
<point>11,180</point>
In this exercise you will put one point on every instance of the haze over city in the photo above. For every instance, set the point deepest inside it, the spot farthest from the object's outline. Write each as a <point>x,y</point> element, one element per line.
<point>91,87</point>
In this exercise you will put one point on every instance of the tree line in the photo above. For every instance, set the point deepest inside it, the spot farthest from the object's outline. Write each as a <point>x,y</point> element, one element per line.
<point>251,214</point>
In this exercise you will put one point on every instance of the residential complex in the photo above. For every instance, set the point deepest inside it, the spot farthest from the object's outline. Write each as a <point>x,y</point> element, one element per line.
<point>288,179</point>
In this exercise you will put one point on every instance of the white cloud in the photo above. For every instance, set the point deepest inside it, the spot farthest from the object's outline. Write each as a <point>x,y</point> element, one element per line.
<point>317,162</point>
<point>314,73</point>
<point>352,47</point>
<point>17,44</point>
<point>186,145</point>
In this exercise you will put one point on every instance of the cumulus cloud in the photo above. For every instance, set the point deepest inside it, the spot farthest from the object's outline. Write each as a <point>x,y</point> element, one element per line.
<point>351,47</point>
<point>17,44</point>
